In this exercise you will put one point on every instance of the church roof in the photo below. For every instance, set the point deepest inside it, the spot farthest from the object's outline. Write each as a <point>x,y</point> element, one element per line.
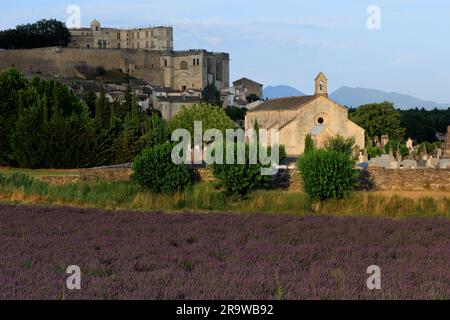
<point>290,103</point>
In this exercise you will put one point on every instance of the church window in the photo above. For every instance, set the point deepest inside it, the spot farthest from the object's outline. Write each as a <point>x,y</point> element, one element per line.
<point>321,86</point>
<point>320,120</point>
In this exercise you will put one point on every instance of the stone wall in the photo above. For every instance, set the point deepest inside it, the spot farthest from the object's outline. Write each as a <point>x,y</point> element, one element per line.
<point>374,179</point>
<point>410,179</point>
<point>149,65</point>
<point>63,62</point>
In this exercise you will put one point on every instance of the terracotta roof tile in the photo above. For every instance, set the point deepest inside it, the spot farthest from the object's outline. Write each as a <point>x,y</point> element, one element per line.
<point>290,103</point>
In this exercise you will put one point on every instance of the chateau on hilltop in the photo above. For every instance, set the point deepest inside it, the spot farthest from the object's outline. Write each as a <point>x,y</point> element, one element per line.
<point>296,117</point>
<point>144,53</point>
<point>173,79</point>
<point>150,38</point>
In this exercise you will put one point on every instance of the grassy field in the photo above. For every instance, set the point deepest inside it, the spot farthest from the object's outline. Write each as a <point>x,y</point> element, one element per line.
<point>38,173</point>
<point>21,188</point>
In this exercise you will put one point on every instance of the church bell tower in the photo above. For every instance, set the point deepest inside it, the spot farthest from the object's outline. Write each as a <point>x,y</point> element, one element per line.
<point>321,85</point>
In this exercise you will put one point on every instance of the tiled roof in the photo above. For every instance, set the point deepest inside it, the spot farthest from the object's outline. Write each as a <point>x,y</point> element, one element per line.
<point>290,103</point>
<point>179,99</point>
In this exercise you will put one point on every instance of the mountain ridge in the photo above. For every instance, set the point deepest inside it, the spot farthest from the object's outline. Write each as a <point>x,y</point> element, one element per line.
<point>356,96</point>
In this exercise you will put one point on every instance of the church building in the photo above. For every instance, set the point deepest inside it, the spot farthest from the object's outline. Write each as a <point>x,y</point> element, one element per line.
<point>296,117</point>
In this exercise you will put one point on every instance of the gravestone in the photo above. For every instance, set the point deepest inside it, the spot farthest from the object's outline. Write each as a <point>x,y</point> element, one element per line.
<point>447,144</point>
<point>408,164</point>
<point>444,164</point>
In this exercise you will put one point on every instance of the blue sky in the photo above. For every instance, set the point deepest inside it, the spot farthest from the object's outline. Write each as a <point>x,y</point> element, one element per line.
<point>290,41</point>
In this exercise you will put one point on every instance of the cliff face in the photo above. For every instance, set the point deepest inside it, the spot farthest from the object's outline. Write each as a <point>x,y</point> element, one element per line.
<point>65,63</point>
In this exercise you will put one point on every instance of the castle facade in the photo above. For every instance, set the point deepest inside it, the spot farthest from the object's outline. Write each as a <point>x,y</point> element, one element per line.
<point>148,38</point>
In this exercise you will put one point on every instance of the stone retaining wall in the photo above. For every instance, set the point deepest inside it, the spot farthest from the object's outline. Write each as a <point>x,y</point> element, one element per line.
<point>373,179</point>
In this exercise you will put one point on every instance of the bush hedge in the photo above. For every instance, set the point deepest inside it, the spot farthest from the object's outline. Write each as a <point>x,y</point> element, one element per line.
<point>239,179</point>
<point>327,174</point>
<point>153,168</point>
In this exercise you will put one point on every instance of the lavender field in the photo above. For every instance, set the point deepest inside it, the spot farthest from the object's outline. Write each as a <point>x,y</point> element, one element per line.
<point>129,255</point>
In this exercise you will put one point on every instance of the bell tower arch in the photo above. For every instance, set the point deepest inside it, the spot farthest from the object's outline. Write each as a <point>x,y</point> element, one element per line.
<point>321,85</point>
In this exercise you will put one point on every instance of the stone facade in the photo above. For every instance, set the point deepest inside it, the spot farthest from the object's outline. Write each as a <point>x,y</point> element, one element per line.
<point>180,70</point>
<point>148,38</point>
<point>296,117</point>
<point>247,87</point>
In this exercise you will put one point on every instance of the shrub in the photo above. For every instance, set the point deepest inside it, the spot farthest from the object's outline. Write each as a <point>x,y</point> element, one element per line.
<point>373,152</point>
<point>327,174</point>
<point>340,143</point>
<point>309,144</point>
<point>239,179</point>
<point>154,169</point>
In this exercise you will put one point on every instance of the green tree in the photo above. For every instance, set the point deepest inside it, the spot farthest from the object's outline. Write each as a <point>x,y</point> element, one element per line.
<point>379,119</point>
<point>43,33</point>
<point>309,144</point>
<point>252,98</point>
<point>56,138</point>
<point>235,113</point>
<point>211,95</point>
<point>341,144</point>
<point>12,83</point>
<point>154,169</point>
<point>211,118</point>
<point>327,174</point>
<point>239,179</point>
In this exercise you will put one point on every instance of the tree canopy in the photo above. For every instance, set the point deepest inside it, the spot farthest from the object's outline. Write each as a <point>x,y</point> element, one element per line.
<point>43,124</point>
<point>211,95</point>
<point>422,125</point>
<point>211,118</point>
<point>379,119</point>
<point>43,33</point>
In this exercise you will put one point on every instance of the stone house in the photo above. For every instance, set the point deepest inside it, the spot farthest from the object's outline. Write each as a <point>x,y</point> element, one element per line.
<point>296,117</point>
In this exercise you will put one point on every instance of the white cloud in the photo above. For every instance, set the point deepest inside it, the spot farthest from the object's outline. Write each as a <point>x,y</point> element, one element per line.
<point>213,40</point>
<point>404,58</point>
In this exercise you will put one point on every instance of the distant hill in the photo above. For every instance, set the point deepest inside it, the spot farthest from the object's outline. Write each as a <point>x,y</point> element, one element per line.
<point>273,92</point>
<point>354,97</point>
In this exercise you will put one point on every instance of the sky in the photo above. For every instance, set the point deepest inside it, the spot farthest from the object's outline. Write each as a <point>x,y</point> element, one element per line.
<point>288,42</point>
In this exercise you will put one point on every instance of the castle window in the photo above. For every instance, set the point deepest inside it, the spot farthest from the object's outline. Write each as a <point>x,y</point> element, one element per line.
<point>165,63</point>
<point>198,62</point>
<point>183,65</point>
<point>193,62</point>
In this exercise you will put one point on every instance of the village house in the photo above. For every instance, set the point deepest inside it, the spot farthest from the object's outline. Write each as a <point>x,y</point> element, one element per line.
<point>241,90</point>
<point>296,117</point>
